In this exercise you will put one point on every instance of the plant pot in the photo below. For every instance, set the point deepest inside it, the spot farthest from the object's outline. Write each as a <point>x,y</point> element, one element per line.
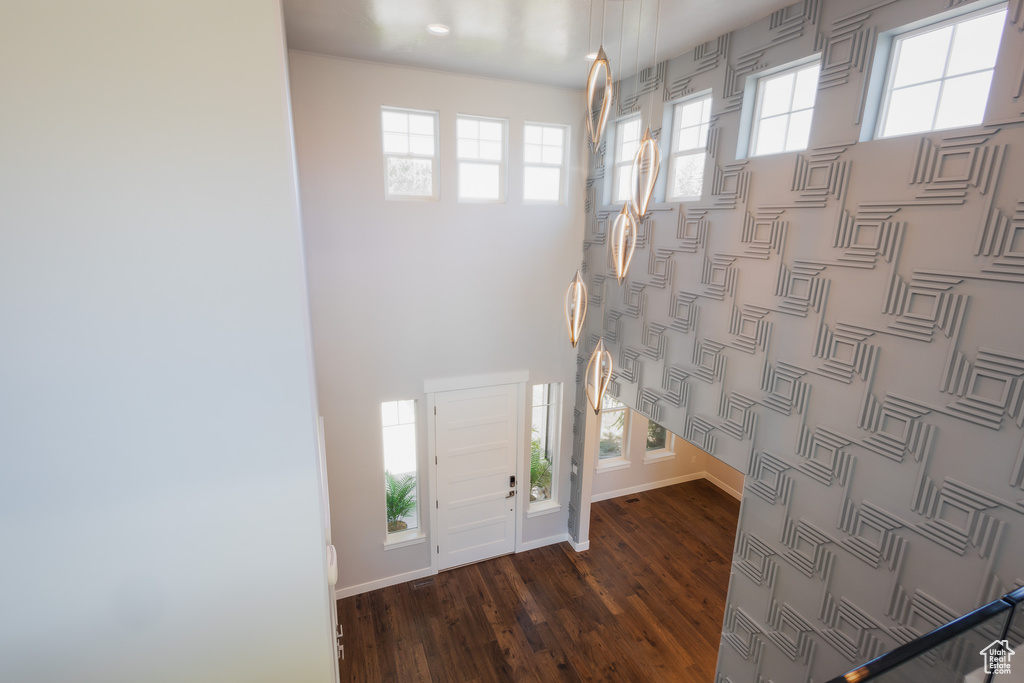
<point>397,526</point>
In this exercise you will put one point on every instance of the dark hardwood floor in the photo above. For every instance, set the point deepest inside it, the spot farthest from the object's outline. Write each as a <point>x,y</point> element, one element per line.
<point>645,603</point>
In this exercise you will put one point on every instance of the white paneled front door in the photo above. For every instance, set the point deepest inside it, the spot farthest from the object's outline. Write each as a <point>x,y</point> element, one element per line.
<point>476,435</point>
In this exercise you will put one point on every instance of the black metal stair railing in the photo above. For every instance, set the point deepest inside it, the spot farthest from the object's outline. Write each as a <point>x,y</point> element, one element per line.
<point>976,648</point>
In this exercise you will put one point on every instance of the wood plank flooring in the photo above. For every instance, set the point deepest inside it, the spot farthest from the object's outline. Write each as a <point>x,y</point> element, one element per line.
<point>645,603</point>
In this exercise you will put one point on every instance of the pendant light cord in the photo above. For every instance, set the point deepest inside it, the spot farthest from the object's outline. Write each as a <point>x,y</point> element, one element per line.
<point>590,28</point>
<point>657,25</point>
<point>604,15</point>
<point>622,25</point>
<point>636,77</point>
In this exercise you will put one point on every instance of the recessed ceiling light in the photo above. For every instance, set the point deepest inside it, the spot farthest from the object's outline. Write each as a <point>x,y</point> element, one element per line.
<point>592,56</point>
<point>438,29</point>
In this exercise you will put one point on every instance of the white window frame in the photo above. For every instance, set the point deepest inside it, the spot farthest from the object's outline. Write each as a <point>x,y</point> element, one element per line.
<point>891,61</point>
<point>401,539</point>
<point>674,156</point>
<point>502,164</point>
<point>751,119</point>
<point>554,422</point>
<point>562,165</point>
<point>622,460</point>
<point>435,158</point>
<point>668,452</point>
<point>621,164</point>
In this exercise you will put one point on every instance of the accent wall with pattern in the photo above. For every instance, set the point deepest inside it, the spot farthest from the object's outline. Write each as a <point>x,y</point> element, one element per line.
<point>845,325</point>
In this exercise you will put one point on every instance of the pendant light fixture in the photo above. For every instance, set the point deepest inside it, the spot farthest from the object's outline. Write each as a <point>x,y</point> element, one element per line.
<point>599,373</point>
<point>575,308</point>
<point>595,127</point>
<point>623,242</point>
<point>647,162</point>
<point>646,165</point>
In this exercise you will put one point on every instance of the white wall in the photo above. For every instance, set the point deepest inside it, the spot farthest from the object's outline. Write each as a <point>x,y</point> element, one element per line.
<point>159,511</point>
<point>724,477</point>
<point>402,292</point>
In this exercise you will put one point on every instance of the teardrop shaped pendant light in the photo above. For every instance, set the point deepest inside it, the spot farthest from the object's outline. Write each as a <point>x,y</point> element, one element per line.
<point>595,128</point>
<point>644,174</point>
<point>575,308</point>
<point>599,373</point>
<point>623,242</point>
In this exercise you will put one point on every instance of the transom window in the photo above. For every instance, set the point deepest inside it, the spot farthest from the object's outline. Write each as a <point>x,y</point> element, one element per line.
<point>690,122</point>
<point>627,142</point>
<point>784,108</point>
<point>939,76</point>
<point>547,400</point>
<point>410,153</point>
<point>398,423</point>
<point>544,156</point>
<point>480,147</point>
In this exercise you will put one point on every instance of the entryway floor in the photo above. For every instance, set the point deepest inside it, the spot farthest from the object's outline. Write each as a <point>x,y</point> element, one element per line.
<point>644,603</point>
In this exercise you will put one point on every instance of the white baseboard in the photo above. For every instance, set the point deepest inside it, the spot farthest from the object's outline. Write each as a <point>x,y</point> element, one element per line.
<point>428,571</point>
<point>647,486</point>
<point>541,542</point>
<point>738,495</point>
<point>579,547</point>
<point>349,591</point>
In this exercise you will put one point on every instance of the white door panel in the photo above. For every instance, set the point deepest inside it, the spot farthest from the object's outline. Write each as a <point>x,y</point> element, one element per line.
<point>476,444</point>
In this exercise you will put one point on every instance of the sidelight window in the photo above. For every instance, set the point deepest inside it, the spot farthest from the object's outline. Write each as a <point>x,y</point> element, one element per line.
<point>612,450</point>
<point>401,479</point>
<point>544,438</point>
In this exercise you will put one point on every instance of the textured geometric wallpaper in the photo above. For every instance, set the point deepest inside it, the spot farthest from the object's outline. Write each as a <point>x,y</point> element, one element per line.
<point>845,325</point>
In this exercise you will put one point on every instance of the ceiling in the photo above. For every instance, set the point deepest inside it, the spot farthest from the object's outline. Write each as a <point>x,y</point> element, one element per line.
<point>536,41</point>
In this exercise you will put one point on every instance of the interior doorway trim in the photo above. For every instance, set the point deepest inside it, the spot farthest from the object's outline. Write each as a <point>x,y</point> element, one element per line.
<point>431,388</point>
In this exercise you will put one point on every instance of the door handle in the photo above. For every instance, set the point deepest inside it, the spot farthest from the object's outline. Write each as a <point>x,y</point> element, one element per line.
<point>511,493</point>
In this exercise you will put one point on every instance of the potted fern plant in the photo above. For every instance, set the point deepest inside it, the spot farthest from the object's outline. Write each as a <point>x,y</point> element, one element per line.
<point>400,495</point>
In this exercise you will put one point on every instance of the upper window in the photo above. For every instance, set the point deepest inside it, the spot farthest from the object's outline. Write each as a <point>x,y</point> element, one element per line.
<point>544,155</point>
<point>690,121</point>
<point>785,105</point>
<point>939,76</point>
<point>410,153</point>
<point>627,142</point>
<point>481,153</point>
<point>613,429</point>
<point>398,421</point>
<point>547,400</point>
